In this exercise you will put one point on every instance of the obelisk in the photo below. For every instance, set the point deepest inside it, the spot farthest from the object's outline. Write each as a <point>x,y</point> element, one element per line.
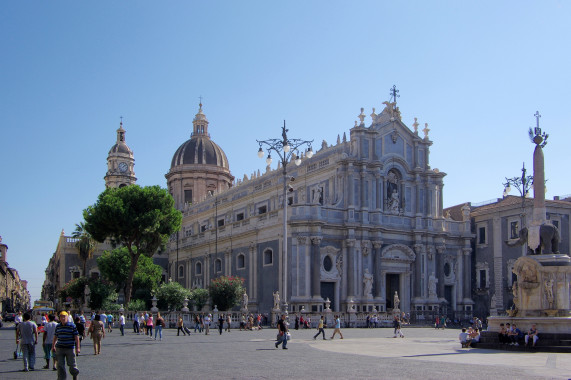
<point>539,215</point>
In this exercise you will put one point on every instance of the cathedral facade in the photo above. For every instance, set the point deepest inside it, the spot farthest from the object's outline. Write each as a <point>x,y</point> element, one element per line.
<point>364,221</point>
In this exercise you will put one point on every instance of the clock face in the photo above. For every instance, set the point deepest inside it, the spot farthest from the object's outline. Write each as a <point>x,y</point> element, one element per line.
<point>123,167</point>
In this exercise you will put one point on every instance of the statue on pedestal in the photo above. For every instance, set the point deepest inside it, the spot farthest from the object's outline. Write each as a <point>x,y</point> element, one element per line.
<point>432,281</point>
<point>396,301</point>
<point>367,284</point>
<point>276,299</point>
<point>245,301</point>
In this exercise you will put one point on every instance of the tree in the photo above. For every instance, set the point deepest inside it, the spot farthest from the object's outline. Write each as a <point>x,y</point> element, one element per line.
<point>139,218</point>
<point>85,244</point>
<point>172,295</point>
<point>226,292</point>
<point>200,297</point>
<point>100,292</point>
<point>114,266</point>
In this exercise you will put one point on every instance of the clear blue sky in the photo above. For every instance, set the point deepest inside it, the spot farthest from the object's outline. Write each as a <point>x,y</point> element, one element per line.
<point>476,72</point>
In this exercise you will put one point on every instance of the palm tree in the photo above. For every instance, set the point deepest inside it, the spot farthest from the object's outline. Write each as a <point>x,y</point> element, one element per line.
<point>85,244</point>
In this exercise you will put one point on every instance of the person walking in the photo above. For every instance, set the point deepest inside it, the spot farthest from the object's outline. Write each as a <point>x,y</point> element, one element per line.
<point>220,323</point>
<point>122,324</point>
<point>49,330</point>
<point>228,322</point>
<point>66,338</point>
<point>180,327</point>
<point>160,323</point>
<point>27,337</point>
<point>80,329</point>
<point>197,323</point>
<point>136,323</point>
<point>320,329</point>
<point>150,323</point>
<point>282,332</point>
<point>97,331</point>
<point>142,324</point>
<point>207,320</point>
<point>337,327</point>
<point>109,322</point>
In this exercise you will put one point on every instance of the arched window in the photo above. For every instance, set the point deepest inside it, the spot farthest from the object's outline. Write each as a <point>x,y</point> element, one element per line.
<point>198,268</point>
<point>268,257</point>
<point>181,271</point>
<point>218,266</point>
<point>241,261</point>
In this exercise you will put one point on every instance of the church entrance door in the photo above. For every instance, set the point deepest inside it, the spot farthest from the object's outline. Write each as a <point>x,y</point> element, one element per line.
<point>393,282</point>
<point>328,291</point>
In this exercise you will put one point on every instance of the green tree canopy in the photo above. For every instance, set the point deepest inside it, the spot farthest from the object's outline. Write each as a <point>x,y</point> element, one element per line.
<point>172,294</point>
<point>139,218</point>
<point>200,297</point>
<point>100,292</point>
<point>114,266</point>
<point>226,292</point>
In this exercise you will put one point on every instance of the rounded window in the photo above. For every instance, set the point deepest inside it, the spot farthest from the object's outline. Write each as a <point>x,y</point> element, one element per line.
<point>327,263</point>
<point>447,269</point>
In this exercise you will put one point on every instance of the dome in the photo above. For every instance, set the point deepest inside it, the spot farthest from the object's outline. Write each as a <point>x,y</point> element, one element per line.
<point>200,150</point>
<point>120,148</point>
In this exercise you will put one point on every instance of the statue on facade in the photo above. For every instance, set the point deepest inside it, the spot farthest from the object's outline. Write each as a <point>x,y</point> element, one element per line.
<point>432,281</point>
<point>396,301</point>
<point>276,299</point>
<point>245,300</point>
<point>394,202</point>
<point>548,285</point>
<point>367,284</point>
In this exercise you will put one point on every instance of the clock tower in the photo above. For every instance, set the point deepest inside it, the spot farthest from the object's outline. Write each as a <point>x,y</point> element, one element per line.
<point>120,163</point>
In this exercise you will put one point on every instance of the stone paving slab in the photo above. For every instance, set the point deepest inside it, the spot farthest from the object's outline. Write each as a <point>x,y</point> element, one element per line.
<point>425,353</point>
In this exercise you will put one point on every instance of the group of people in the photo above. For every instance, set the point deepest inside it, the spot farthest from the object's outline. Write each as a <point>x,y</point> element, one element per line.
<point>512,335</point>
<point>144,323</point>
<point>469,337</point>
<point>251,322</point>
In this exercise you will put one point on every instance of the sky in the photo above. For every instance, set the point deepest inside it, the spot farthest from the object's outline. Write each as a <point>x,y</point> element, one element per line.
<point>476,72</point>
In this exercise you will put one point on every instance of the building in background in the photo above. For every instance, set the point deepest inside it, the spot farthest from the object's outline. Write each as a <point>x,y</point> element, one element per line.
<point>365,220</point>
<point>493,225</point>
<point>14,294</point>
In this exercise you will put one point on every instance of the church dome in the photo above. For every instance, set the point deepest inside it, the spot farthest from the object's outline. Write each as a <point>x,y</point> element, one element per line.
<point>200,149</point>
<point>120,146</point>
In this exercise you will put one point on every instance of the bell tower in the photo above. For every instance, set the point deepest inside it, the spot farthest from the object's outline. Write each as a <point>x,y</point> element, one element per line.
<point>120,163</point>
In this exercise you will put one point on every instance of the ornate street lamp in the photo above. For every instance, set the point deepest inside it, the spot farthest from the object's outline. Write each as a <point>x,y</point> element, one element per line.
<point>286,150</point>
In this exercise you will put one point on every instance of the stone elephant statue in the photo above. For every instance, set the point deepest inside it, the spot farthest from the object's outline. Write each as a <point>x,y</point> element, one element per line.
<point>549,239</point>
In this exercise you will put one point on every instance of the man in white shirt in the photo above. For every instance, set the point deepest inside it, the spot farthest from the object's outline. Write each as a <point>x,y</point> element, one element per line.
<point>207,320</point>
<point>122,324</point>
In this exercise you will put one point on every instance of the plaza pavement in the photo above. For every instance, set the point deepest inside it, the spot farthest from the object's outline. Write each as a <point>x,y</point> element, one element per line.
<point>424,353</point>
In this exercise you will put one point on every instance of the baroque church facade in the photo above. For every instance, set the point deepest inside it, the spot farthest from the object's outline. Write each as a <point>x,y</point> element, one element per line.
<point>365,221</point>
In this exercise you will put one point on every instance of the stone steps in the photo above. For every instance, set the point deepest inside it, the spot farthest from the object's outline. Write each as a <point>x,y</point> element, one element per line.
<point>546,343</point>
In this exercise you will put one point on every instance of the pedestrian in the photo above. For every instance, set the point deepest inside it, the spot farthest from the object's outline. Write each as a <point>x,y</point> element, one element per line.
<point>142,324</point>
<point>110,322</point>
<point>320,328</point>
<point>27,337</point>
<point>220,323</point>
<point>66,338</point>
<point>180,327</point>
<point>122,324</point>
<point>228,321</point>
<point>397,326</point>
<point>136,324</point>
<point>150,325</point>
<point>282,333</point>
<point>80,329</point>
<point>97,331</point>
<point>18,319</point>
<point>103,319</point>
<point>337,327</point>
<point>49,330</point>
<point>160,323</point>
<point>197,323</point>
<point>297,322</point>
<point>207,320</point>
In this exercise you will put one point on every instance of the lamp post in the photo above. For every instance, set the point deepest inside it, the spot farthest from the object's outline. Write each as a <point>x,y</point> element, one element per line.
<point>523,184</point>
<point>286,149</point>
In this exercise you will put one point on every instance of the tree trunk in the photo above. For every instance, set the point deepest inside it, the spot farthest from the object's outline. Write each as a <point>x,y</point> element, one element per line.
<point>129,283</point>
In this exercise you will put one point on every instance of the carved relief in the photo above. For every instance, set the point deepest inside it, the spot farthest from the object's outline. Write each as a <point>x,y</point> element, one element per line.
<point>398,252</point>
<point>526,270</point>
<point>302,240</point>
<point>316,240</point>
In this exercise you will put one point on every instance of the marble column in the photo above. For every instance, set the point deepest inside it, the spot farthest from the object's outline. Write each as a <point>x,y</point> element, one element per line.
<point>315,266</point>
<point>302,282</point>
<point>438,272</point>
<point>377,244</point>
<point>459,276</point>
<point>350,267</point>
<point>467,273</point>
<point>418,250</point>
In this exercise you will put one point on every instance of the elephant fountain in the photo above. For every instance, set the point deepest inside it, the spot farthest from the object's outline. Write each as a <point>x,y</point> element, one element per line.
<point>549,240</point>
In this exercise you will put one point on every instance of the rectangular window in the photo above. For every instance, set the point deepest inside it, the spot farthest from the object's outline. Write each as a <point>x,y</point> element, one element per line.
<point>220,222</point>
<point>262,210</point>
<point>482,235</point>
<point>203,228</point>
<point>483,278</point>
<point>239,216</point>
<point>514,230</point>
<point>188,196</point>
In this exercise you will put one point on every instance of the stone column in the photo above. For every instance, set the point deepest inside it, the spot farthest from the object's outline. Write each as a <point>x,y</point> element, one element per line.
<point>459,276</point>
<point>315,266</point>
<point>350,267</point>
<point>498,265</point>
<point>206,270</point>
<point>418,249</point>
<point>252,269</point>
<point>377,244</point>
<point>303,261</point>
<point>228,262</point>
<point>467,273</point>
<point>440,249</point>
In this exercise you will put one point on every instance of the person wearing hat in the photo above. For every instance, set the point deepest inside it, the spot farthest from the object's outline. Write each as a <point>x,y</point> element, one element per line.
<point>66,338</point>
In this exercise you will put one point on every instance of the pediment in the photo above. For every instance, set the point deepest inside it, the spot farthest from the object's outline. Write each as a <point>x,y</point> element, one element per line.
<point>398,252</point>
